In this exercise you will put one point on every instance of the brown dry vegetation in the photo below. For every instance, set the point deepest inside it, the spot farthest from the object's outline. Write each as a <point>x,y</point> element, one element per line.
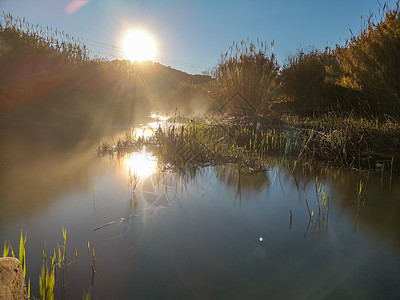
<point>361,77</point>
<point>50,78</point>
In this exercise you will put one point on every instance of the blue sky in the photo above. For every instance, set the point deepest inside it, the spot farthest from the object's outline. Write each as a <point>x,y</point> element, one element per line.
<point>191,35</point>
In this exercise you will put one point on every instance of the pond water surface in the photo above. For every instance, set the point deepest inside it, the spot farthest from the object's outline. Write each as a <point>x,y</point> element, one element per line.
<point>208,234</point>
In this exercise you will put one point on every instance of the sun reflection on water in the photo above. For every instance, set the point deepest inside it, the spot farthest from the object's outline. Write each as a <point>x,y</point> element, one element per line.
<point>143,132</point>
<point>148,130</point>
<point>159,117</point>
<point>142,164</point>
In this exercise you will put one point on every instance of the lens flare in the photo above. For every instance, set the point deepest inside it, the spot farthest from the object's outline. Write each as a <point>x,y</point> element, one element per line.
<point>75,5</point>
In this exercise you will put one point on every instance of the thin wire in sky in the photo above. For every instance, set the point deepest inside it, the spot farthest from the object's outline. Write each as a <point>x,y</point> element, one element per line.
<point>102,49</point>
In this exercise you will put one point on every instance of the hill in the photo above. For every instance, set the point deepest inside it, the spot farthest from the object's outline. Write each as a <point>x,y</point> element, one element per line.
<point>50,79</point>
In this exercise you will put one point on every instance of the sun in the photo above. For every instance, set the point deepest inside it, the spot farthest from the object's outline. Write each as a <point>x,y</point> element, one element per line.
<point>138,45</point>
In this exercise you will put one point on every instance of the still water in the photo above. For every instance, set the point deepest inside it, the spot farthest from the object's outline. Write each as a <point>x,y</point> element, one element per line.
<point>209,234</point>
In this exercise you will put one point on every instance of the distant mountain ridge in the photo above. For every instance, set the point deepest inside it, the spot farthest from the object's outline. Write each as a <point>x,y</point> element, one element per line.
<point>154,73</point>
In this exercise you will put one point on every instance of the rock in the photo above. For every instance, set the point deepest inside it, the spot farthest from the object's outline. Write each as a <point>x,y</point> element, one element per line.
<point>12,281</point>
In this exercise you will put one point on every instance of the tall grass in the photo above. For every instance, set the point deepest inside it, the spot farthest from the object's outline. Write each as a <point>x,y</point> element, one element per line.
<point>47,276</point>
<point>362,76</point>
<point>370,61</point>
<point>49,76</point>
<point>21,38</point>
<point>249,69</point>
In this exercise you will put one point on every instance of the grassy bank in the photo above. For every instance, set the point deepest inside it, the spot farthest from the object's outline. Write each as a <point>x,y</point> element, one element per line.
<point>333,140</point>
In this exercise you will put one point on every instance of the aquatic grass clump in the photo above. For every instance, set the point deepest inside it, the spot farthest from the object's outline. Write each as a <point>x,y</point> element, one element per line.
<point>351,142</point>
<point>47,276</point>
<point>333,140</point>
<point>318,220</point>
<point>243,140</point>
<point>130,144</point>
<point>219,140</point>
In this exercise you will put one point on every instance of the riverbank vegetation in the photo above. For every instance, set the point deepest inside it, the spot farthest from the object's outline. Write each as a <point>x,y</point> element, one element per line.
<point>360,76</point>
<point>50,78</point>
<point>332,140</point>
<point>339,105</point>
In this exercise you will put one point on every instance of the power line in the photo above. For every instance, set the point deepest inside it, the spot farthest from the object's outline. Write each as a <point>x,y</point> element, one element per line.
<point>109,47</point>
<point>164,61</point>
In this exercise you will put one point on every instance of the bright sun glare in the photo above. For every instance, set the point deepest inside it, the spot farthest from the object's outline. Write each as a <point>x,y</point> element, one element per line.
<point>139,46</point>
<point>141,164</point>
